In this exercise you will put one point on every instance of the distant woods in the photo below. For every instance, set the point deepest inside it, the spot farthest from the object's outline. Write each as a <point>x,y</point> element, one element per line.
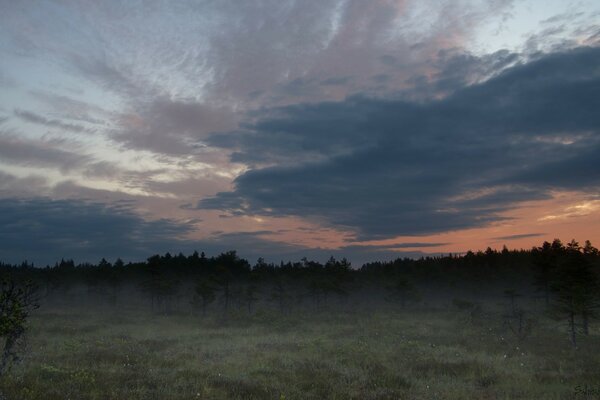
<point>560,279</point>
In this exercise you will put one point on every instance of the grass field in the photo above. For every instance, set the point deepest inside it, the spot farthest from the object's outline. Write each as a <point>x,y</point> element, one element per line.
<point>388,354</point>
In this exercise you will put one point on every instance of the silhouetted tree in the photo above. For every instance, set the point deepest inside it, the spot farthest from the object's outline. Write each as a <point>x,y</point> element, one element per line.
<point>403,290</point>
<point>338,277</point>
<point>546,259</point>
<point>204,293</point>
<point>590,250</point>
<point>159,285</point>
<point>576,290</point>
<point>16,303</point>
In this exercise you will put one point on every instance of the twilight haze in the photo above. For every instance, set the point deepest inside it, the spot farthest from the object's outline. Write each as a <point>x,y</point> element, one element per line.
<point>365,129</point>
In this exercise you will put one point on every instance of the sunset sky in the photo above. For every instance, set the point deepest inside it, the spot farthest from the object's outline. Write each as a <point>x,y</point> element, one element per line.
<point>365,129</point>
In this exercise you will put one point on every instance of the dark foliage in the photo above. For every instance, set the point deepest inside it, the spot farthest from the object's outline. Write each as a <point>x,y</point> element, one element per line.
<point>17,300</point>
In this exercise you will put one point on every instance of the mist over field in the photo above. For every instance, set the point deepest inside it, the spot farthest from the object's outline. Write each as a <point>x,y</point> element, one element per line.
<point>517,324</point>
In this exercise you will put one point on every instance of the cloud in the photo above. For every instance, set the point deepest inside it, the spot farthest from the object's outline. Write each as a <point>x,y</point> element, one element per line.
<point>39,153</point>
<point>71,108</point>
<point>456,69</point>
<point>228,51</point>
<point>576,210</point>
<point>407,245</point>
<point>52,153</point>
<point>519,236</point>
<point>384,168</point>
<point>566,30</point>
<point>335,81</point>
<point>11,186</point>
<point>117,78</point>
<point>574,169</point>
<point>183,80</point>
<point>51,123</point>
<point>172,127</point>
<point>44,230</point>
<point>369,116</point>
<point>177,95</point>
<point>6,81</point>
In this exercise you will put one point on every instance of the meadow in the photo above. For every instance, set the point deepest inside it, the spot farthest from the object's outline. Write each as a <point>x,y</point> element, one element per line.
<point>80,350</point>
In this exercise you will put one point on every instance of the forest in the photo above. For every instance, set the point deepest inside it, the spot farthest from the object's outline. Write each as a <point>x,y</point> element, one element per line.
<point>486,324</point>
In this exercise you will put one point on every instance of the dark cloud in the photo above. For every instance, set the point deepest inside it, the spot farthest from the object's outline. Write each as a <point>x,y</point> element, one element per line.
<point>45,230</point>
<point>575,170</point>
<point>300,133</point>
<point>384,168</point>
<point>457,69</point>
<point>11,186</point>
<point>50,123</point>
<point>39,153</point>
<point>313,132</point>
<point>519,236</point>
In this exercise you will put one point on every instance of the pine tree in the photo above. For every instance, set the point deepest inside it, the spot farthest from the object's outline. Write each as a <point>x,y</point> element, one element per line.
<point>576,289</point>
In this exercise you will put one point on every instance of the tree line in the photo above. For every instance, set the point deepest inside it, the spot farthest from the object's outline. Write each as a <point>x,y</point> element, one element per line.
<point>564,276</point>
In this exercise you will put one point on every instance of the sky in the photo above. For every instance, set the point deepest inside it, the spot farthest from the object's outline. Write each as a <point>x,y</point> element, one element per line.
<point>283,128</point>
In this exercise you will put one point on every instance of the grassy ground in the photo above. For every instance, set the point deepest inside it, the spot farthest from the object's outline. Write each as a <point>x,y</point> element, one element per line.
<point>424,354</point>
